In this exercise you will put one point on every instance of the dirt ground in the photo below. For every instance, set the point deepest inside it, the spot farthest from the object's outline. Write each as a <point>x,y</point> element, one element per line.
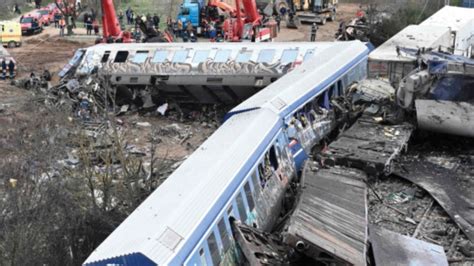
<point>345,12</point>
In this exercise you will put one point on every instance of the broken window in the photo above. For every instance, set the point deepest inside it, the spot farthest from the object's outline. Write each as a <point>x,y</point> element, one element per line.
<point>180,56</point>
<point>202,257</point>
<point>243,56</point>
<point>289,56</point>
<point>121,57</point>
<point>332,92</point>
<point>241,207</point>
<point>266,56</point>
<point>308,54</point>
<point>160,57</point>
<point>222,56</point>
<point>140,57</point>
<point>230,211</point>
<point>273,158</point>
<point>212,242</point>
<point>256,185</point>
<point>224,235</point>
<point>200,56</point>
<point>340,88</point>
<point>248,194</point>
<point>105,57</point>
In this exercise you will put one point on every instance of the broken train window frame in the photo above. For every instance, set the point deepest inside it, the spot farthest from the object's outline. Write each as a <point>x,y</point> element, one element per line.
<point>121,56</point>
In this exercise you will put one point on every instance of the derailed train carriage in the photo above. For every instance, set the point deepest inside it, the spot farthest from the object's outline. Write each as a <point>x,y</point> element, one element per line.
<point>210,73</point>
<point>242,171</point>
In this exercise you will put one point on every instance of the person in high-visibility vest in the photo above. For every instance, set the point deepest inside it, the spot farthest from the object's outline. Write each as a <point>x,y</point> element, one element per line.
<point>62,25</point>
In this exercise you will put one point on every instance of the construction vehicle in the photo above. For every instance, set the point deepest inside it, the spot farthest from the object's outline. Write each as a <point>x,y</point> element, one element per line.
<point>316,11</point>
<point>190,10</point>
<point>245,24</point>
<point>111,31</point>
<point>10,34</point>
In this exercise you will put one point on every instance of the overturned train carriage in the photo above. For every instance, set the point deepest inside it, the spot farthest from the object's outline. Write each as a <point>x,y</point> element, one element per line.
<point>225,73</point>
<point>241,172</point>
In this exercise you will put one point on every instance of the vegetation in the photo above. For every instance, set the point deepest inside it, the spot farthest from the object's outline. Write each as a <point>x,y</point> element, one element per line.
<point>54,211</point>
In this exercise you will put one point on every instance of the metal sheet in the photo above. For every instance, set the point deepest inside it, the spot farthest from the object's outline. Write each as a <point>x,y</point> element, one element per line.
<point>446,117</point>
<point>331,215</point>
<point>391,248</point>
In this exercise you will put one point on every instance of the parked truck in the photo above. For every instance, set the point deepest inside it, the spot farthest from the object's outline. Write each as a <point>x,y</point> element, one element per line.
<point>190,10</point>
<point>316,11</point>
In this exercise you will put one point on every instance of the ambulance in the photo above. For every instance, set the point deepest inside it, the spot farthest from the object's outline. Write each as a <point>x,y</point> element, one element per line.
<point>10,33</point>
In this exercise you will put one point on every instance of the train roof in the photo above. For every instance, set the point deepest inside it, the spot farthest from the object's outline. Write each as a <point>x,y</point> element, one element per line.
<point>453,17</point>
<point>298,86</point>
<point>172,219</point>
<point>413,36</point>
<point>202,45</point>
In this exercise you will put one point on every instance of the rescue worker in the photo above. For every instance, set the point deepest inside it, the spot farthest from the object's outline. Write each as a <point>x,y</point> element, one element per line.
<point>314,29</point>
<point>189,27</point>
<point>156,21</point>
<point>11,68</point>
<point>62,25</point>
<point>95,25</point>
<point>278,21</point>
<point>88,23</point>
<point>4,69</point>
<point>180,27</point>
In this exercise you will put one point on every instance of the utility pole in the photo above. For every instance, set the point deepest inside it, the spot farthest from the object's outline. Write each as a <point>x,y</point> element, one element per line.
<point>447,2</point>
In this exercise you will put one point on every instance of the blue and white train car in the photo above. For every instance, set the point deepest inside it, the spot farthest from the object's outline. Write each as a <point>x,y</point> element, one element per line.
<point>241,171</point>
<point>302,98</point>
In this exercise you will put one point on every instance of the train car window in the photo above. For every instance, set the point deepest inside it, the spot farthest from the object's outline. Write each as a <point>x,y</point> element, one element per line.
<point>202,257</point>
<point>273,158</point>
<point>308,54</point>
<point>241,207</point>
<point>180,56</point>
<point>289,56</point>
<point>212,242</point>
<point>230,212</point>
<point>121,57</point>
<point>340,88</point>
<point>266,56</point>
<point>106,56</point>
<point>243,56</point>
<point>256,185</point>
<point>332,92</point>
<point>140,57</point>
<point>248,194</point>
<point>224,235</point>
<point>200,56</point>
<point>261,174</point>
<point>222,56</point>
<point>160,57</point>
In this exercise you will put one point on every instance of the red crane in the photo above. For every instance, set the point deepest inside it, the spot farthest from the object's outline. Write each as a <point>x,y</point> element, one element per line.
<point>244,22</point>
<point>111,30</point>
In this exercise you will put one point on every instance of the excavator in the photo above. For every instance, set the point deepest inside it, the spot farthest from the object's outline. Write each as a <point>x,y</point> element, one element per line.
<point>112,33</point>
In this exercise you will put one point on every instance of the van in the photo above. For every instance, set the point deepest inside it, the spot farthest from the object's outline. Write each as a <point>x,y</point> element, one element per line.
<point>10,33</point>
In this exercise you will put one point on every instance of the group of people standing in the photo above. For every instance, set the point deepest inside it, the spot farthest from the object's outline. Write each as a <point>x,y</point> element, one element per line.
<point>91,24</point>
<point>8,68</point>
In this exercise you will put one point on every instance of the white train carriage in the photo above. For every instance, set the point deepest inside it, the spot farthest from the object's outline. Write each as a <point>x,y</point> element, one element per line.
<point>225,73</point>
<point>241,171</point>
